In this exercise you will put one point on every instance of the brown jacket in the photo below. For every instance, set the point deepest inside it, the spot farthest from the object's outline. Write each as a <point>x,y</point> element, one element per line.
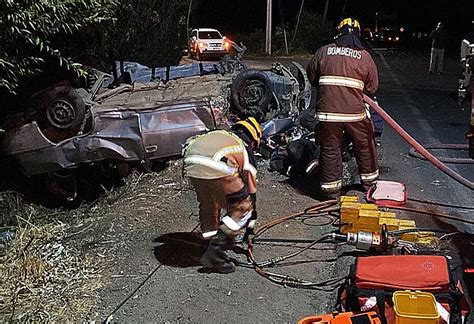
<point>219,154</point>
<point>342,75</point>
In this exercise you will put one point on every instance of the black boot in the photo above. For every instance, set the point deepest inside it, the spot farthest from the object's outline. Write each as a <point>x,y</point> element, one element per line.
<point>215,258</point>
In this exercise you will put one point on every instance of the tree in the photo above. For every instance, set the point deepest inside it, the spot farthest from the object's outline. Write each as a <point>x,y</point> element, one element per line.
<point>313,32</point>
<point>152,33</point>
<point>31,30</point>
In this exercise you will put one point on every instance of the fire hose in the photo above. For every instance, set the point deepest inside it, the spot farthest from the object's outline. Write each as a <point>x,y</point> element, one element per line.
<point>443,159</point>
<point>417,146</point>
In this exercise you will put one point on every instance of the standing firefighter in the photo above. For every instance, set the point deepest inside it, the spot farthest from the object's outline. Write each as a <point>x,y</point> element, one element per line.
<point>221,168</point>
<point>343,71</point>
<point>467,53</point>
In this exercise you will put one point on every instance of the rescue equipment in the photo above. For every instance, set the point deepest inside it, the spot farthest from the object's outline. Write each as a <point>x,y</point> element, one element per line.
<point>342,318</point>
<point>387,193</point>
<point>415,307</point>
<point>356,217</point>
<point>374,279</point>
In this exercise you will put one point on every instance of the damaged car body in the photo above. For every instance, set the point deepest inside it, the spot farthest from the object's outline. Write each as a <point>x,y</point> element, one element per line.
<point>138,114</point>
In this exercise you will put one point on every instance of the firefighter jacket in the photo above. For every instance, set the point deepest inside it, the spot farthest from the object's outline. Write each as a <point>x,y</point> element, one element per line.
<point>219,154</point>
<point>342,75</point>
<point>467,46</point>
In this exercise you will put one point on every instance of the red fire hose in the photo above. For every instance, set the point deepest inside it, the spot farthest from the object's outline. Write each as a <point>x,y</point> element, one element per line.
<point>417,146</point>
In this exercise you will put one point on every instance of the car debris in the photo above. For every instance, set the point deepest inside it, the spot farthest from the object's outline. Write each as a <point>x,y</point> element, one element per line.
<point>139,114</point>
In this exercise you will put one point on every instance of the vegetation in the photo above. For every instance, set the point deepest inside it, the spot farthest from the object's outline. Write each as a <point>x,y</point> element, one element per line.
<point>32,32</point>
<point>42,34</point>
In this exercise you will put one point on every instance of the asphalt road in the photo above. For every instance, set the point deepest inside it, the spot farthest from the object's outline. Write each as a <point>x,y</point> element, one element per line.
<point>172,290</point>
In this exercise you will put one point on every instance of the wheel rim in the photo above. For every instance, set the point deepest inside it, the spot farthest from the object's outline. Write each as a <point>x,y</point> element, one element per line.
<point>61,114</point>
<point>253,93</point>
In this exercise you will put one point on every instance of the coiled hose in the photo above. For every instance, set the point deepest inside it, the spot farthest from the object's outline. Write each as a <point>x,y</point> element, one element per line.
<point>417,146</point>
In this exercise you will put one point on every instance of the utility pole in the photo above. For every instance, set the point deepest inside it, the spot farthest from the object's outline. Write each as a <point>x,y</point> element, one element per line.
<point>268,30</point>
<point>189,15</point>
<point>297,22</point>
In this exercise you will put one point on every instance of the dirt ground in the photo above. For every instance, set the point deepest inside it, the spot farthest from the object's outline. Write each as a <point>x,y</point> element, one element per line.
<point>149,240</point>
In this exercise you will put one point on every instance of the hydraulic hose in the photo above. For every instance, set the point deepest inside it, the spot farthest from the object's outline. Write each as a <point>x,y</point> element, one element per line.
<point>417,146</point>
<point>431,213</point>
<point>444,159</point>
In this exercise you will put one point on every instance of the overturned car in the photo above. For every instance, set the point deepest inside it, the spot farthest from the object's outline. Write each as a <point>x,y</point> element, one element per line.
<point>139,114</point>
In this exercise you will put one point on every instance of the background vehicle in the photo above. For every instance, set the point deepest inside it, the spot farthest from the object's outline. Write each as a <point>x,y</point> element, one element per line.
<point>388,37</point>
<point>206,43</point>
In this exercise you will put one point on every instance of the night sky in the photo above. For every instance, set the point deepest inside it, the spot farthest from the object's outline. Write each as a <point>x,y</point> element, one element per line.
<point>414,15</point>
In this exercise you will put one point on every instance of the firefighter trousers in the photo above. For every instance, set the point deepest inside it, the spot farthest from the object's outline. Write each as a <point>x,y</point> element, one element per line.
<point>228,193</point>
<point>329,136</point>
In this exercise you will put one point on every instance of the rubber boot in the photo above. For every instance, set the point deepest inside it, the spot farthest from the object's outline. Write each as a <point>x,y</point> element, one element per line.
<point>215,258</point>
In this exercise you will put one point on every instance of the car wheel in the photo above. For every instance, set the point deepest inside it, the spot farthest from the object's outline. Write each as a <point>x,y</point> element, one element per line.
<point>252,93</point>
<point>65,110</point>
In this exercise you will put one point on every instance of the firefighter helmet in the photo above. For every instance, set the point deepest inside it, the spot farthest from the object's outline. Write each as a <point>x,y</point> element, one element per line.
<point>348,26</point>
<point>251,127</point>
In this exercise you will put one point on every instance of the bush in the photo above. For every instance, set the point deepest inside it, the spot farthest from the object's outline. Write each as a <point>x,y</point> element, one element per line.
<point>255,42</point>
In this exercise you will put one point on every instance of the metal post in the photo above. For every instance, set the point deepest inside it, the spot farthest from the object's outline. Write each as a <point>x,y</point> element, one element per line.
<point>470,134</point>
<point>325,11</point>
<point>376,22</point>
<point>268,31</point>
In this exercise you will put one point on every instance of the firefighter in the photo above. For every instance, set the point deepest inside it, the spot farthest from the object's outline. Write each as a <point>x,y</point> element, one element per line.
<point>467,53</point>
<point>221,167</point>
<point>343,71</point>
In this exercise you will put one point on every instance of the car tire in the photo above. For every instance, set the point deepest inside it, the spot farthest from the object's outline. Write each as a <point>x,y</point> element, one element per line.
<point>252,94</point>
<point>64,111</point>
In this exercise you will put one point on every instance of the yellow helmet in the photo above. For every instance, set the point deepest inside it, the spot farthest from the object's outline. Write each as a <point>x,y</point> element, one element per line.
<point>252,128</point>
<point>348,26</point>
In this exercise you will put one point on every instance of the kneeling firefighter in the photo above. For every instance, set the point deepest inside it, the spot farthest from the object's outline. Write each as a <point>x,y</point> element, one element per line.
<point>221,167</point>
<point>343,71</point>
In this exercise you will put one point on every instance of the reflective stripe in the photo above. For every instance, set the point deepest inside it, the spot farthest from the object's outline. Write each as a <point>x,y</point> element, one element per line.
<point>233,225</point>
<point>248,166</point>
<point>369,176</point>
<point>228,150</point>
<point>335,117</point>
<point>252,223</point>
<point>331,185</point>
<point>314,164</point>
<point>204,160</point>
<point>209,234</point>
<point>341,81</point>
